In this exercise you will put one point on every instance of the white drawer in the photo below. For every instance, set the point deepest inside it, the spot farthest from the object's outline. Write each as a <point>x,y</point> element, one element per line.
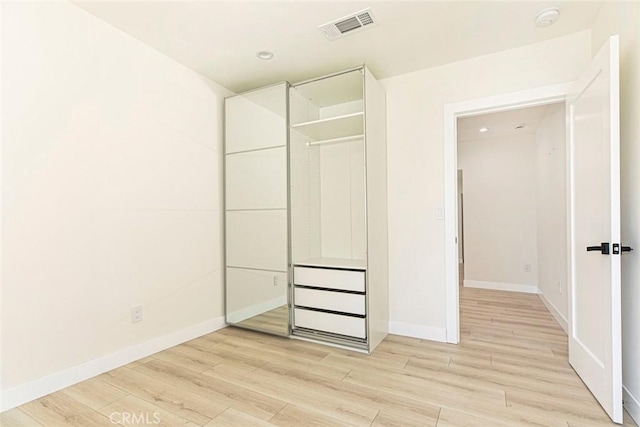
<point>328,300</point>
<point>332,279</point>
<point>335,323</point>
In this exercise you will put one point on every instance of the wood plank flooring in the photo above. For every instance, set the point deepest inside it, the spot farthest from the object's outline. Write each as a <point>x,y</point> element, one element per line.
<point>510,369</point>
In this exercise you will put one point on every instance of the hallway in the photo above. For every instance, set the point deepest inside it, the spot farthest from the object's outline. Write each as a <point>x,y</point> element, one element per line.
<point>527,352</point>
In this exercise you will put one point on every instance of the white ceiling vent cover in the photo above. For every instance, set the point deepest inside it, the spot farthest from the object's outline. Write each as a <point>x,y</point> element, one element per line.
<point>349,24</point>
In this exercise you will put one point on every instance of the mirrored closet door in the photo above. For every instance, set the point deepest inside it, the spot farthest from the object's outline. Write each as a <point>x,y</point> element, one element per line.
<point>256,210</point>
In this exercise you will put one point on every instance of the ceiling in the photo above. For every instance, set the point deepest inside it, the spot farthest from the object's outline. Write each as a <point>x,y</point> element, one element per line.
<point>501,124</point>
<point>220,39</point>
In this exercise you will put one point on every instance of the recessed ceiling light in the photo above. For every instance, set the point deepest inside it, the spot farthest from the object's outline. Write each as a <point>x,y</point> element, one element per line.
<point>264,54</point>
<point>547,17</point>
<point>483,129</point>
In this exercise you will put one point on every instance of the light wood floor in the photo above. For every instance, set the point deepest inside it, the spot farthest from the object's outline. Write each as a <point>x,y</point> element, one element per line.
<point>510,369</point>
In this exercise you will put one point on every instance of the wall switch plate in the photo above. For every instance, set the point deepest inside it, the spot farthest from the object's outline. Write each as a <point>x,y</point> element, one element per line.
<point>439,213</point>
<point>560,287</point>
<point>527,268</point>
<point>136,314</point>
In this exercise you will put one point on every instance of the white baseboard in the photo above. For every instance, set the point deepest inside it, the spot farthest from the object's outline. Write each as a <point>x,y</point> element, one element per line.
<point>631,404</point>
<point>418,331</point>
<point>562,321</point>
<point>16,396</point>
<point>500,286</point>
<point>246,313</point>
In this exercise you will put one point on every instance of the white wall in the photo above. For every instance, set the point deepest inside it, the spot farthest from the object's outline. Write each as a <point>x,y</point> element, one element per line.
<point>111,192</point>
<point>622,18</point>
<point>415,104</point>
<point>500,212</point>
<point>552,210</point>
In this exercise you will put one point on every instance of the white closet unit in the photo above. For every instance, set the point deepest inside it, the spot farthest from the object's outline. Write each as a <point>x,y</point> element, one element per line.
<point>339,209</point>
<point>306,210</point>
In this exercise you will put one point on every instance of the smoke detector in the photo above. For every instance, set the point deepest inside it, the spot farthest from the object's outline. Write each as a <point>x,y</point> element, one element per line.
<point>265,55</point>
<point>547,17</point>
<point>349,24</point>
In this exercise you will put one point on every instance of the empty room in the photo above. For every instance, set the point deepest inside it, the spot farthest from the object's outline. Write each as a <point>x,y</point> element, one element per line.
<point>297,213</point>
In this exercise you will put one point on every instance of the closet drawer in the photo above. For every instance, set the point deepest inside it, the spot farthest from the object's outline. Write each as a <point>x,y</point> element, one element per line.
<point>328,300</point>
<point>347,280</point>
<point>334,323</point>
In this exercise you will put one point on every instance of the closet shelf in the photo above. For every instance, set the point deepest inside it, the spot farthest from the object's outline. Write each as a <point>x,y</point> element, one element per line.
<point>333,127</point>
<point>335,140</point>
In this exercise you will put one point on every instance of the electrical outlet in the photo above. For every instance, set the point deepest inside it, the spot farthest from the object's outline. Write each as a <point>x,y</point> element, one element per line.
<point>276,281</point>
<point>527,268</point>
<point>136,314</point>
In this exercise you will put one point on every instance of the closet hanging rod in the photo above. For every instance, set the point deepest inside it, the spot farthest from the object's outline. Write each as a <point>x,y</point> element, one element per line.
<point>329,141</point>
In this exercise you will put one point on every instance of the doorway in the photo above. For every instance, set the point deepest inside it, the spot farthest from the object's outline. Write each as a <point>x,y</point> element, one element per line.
<point>513,101</point>
<point>512,175</point>
<point>593,147</point>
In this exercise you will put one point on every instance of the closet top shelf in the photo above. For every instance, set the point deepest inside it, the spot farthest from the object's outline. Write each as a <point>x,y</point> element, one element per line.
<point>332,127</point>
<point>354,264</point>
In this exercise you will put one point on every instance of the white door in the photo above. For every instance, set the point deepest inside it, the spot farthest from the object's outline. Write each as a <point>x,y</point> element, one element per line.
<point>594,207</point>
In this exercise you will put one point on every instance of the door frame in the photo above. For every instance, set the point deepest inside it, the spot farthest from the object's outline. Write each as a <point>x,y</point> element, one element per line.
<point>504,102</point>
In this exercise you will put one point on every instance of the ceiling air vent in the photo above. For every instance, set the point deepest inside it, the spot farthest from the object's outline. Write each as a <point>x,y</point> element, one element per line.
<point>349,24</point>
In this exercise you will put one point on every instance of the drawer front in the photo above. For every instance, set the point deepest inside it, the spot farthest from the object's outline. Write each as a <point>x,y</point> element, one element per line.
<point>332,279</point>
<point>327,300</point>
<point>335,323</point>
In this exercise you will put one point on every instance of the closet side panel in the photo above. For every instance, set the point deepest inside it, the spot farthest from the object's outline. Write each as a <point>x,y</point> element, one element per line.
<point>343,212</point>
<point>358,201</point>
<point>305,182</point>
<point>335,193</point>
<point>314,202</point>
<point>377,235</point>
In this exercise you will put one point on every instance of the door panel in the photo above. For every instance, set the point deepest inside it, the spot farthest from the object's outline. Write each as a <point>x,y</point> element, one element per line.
<point>256,209</point>
<point>257,239</point>
<point>257,179</point>
<point>253,292</point>
<point>256,120</point>
<point>594,292</point>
